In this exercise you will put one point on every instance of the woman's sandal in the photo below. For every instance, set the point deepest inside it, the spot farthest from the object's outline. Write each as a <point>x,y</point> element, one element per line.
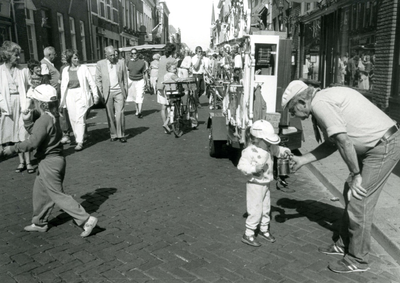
<point>30,169</point>
<point>21,167</point>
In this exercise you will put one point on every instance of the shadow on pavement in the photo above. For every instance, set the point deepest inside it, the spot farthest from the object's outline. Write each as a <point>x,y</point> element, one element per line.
<point>322,213</point>
<point>132,132</point>
<point>92,202</point>
<point>144,112</point>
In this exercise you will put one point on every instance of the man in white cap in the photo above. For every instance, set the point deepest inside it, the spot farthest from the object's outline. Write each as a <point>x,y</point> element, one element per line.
<point>368,141</point>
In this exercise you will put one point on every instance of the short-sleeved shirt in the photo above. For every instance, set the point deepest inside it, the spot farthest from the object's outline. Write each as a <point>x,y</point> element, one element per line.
<point>345,110</point>
<point>203,65</point>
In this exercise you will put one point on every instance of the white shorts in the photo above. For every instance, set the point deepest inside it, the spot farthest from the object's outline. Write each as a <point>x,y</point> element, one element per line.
<point>136,91</point>
<point>161,99</point>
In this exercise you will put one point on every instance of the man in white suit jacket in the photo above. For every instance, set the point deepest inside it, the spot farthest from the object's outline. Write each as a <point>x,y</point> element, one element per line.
<point>112,81</point>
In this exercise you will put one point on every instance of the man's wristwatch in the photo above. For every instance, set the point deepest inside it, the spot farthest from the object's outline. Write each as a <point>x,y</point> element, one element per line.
<point>355,174</point>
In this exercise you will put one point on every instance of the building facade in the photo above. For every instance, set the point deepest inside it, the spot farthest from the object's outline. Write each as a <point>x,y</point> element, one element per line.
<point>85,25</point>
<point>353,43</point>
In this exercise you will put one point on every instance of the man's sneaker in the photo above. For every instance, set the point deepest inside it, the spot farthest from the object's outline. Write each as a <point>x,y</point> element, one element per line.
<point>343,266</point>
<point>36,228</point>
<point>267,236</point>
<point>332,250</point>
<point>89,226</point>
<point>250,240</point>
<point>65,139</point>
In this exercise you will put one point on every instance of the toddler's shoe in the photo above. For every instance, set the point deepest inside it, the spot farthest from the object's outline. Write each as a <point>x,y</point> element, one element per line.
<point>89,226</point>
<point>250,240</point>
<point>36,228</point>
<point>267,236</point>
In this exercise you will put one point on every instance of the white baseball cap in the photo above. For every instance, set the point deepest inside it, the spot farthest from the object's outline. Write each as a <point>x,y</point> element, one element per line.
<point>45,93</point>
<point>263,129</point>
<point>292,89</point>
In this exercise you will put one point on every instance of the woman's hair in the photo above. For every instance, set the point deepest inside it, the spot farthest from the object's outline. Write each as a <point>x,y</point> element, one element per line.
<point>8,49</point>
<point>32,63</point>
<point>170,48</point>
<point>69,53</point>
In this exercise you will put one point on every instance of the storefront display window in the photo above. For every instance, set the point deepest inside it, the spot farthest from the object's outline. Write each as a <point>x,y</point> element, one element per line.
<point>339,48</point>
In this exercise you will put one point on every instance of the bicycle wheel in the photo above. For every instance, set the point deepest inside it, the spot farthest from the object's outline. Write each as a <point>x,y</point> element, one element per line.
<point>177,125</point>
<point>192,112</point>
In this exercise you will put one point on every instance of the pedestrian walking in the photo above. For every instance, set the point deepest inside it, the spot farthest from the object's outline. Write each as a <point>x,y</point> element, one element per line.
<point>64,118</point>
<point>112,81</point>
<point>76,84</point>
<point>13,100</point>
<point>137,71</point>
<point>53,75</point>
<point>369,143</point>
<point>199,68</point>
<point>257,163</point>
<point>168,56</point>
<point>154,72</point>
<point>45,138</point>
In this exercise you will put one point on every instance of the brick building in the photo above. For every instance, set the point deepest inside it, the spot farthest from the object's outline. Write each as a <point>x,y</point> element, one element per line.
<point>85,25</point>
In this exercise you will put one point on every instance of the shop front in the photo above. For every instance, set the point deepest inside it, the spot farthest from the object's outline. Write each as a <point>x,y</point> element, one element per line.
<point>338,45</point>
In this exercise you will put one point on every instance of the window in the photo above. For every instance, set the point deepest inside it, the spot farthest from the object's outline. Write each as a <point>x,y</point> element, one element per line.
<point>115,11</point>
<point>108,10</point>
<point>102,8</point>
<point>30,29</point>
<point>83,40</point>
<point>73,33</point>
<point>61,31</point>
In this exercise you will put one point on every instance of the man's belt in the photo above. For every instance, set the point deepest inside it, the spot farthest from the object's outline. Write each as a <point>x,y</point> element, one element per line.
<point>390,132</point>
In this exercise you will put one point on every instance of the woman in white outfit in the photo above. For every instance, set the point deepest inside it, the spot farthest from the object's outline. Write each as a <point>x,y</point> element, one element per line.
<point>13,101</point>
<point>75,94</point>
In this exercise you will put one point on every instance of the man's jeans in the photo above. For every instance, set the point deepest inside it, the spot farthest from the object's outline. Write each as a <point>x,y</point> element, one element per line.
<point>376,165</point>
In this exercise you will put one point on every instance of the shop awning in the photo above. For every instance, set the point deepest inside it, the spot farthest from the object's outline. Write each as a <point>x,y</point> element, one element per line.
<point>152,47</point>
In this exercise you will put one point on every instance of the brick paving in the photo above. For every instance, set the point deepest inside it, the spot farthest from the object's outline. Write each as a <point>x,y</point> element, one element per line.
<point>168,213</point>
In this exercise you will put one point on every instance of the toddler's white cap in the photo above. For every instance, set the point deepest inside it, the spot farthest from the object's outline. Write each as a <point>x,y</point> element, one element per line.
<point>45,93</point>
<point>263,129</point>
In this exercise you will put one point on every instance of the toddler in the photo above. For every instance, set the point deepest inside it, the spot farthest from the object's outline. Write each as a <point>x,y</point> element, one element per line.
<point>257,163</point>
<point>45,138</point>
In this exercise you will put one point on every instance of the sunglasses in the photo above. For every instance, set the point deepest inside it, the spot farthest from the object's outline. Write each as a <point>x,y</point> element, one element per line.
<point>133,53</point>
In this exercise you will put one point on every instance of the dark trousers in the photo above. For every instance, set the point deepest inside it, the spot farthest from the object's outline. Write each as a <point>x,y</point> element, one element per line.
<point>199,85</point>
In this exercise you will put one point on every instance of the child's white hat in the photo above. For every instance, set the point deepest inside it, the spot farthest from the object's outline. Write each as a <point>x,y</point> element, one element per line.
<point>263,129</point>
<point>45,93</point>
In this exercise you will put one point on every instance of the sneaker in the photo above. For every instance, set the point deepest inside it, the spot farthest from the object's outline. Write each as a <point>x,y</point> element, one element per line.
<point>89,226</point>
<point>267,236</point>
<point>332,250</point>
<point>250,240</point>
<point>36,228</point>
<point>79,147</point>
<point>65,139</point>
<point>343,266</point>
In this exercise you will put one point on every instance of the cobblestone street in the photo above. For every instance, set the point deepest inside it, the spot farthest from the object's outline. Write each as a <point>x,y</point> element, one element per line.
<point>168,213</point>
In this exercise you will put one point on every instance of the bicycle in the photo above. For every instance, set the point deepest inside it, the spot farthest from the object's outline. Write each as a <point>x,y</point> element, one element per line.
<point>174,93</point>
<point>189,85</point>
